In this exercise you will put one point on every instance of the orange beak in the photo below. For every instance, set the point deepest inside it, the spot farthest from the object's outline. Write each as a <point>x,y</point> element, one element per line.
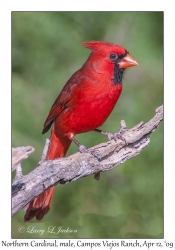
<point>127,61</point>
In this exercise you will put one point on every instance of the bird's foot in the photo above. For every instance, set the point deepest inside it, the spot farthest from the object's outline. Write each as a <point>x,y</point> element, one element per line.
<point>93,152</point>
<point>117,135</point>
<point>83,149</point>
<point>114,136</point>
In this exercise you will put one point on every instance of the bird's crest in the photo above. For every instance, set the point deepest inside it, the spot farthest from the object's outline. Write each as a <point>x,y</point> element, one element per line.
<point>98,45</point>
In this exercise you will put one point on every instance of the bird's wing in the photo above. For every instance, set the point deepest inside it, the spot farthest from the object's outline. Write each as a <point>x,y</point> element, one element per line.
<point>63,100</point>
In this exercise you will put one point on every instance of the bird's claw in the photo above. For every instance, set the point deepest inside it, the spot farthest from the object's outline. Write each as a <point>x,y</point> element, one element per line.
<point>117,135</point>
<point>83,149</point>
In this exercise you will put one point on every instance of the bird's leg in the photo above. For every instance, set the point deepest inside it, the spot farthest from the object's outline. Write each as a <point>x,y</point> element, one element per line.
<point>83,149</point>
<point>114,136</point>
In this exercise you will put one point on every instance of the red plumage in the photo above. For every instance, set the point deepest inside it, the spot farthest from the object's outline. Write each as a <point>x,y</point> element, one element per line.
<point>83,105</point>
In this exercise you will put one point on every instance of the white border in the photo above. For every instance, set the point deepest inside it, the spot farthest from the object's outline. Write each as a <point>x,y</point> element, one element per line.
<point>5,94</point>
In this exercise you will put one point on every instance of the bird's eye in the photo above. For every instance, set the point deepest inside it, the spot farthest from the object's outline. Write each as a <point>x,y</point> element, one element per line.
<point>113,56</point>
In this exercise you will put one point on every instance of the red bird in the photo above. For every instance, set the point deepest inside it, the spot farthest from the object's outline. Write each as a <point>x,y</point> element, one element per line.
<point>83,105</point>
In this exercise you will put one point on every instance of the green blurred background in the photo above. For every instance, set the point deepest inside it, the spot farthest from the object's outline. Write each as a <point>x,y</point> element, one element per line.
<point>127,202</point>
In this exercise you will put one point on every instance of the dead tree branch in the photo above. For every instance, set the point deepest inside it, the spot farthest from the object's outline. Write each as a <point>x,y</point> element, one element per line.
<point>19,154</point>
<point>65,170</point>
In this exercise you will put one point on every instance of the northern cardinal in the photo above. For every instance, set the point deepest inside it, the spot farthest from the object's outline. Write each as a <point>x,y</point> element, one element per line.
<point>83,105</point>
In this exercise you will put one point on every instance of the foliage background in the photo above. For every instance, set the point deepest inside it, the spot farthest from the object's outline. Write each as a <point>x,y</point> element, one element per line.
<point>127,202</point>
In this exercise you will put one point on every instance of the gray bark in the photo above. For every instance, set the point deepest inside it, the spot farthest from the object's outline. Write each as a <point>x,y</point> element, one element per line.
<point>65,170</point>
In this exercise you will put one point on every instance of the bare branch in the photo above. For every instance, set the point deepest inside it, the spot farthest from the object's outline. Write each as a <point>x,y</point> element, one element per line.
<point>65,170</point>
<point>19,154</point>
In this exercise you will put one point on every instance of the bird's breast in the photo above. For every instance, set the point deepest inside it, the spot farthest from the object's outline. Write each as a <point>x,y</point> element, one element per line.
<point>89,108</point>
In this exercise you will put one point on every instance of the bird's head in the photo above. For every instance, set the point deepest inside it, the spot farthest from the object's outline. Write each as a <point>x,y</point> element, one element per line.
<point>110,58</point>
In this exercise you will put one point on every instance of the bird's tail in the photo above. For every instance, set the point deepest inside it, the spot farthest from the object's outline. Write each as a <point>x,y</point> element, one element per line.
<point>40,205</point>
